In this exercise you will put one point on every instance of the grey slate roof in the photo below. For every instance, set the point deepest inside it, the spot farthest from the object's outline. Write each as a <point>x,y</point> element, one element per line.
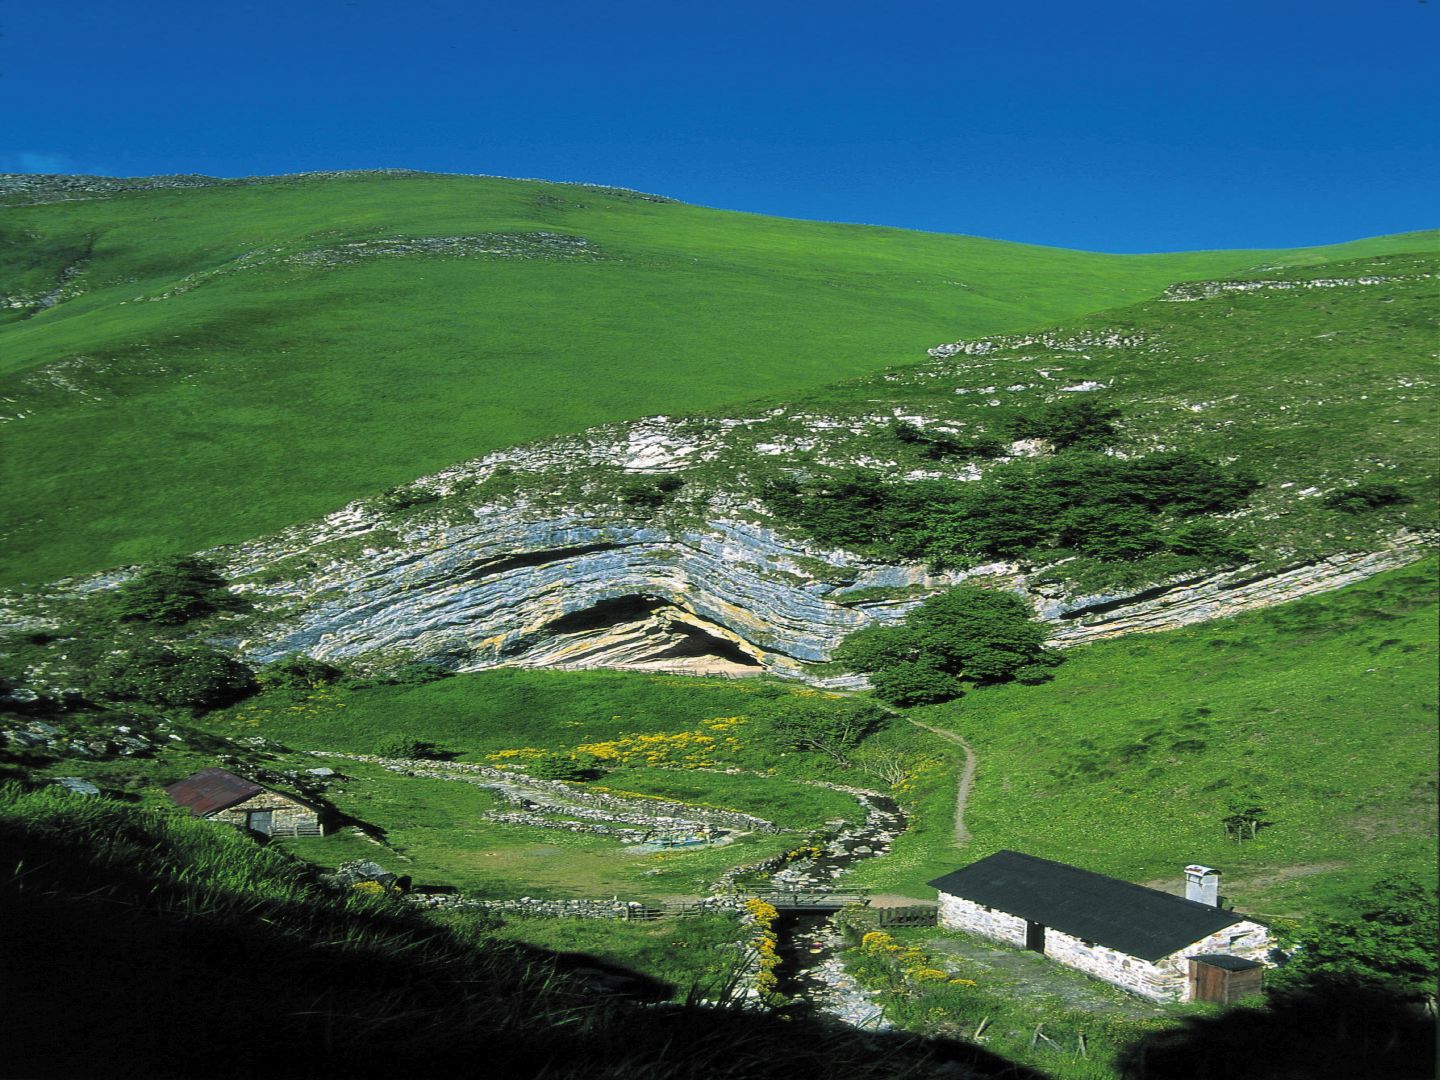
<point>1129,918</point>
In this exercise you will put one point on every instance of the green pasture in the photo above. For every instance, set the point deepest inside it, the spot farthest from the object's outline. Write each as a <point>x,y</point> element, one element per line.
<point>270,394</point>
<point>480,713</point>
<point>437,827</point>
<point>1321,711</point>
<point>435,831</point>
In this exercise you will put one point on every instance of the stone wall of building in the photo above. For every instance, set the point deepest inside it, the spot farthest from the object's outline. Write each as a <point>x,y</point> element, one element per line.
<point>1167,979</point>
<point>288,817</point>
<point>1247,940</point>
<point>1159,981</point>
<point>957,914</point>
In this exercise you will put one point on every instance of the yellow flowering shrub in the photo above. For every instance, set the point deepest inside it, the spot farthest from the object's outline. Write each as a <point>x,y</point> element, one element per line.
<point>878,942</point>
<point>927,974</point>
<point>764,944</point>
<point>696,749</point>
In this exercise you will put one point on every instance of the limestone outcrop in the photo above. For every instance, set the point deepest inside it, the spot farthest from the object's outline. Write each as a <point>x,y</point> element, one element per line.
<point>731,597</point>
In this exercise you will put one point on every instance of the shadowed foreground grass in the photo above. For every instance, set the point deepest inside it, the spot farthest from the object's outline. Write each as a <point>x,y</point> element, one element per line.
<point>143,943</point>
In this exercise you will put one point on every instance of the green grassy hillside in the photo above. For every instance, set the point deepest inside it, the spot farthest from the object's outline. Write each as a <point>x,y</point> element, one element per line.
<point>218,361</point>
<point>1321,712</point>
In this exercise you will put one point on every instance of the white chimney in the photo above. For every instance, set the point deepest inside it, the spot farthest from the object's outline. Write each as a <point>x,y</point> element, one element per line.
<point>1202,884</point>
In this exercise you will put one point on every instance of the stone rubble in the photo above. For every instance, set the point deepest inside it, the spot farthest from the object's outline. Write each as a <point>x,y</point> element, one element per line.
<point>573,807</point>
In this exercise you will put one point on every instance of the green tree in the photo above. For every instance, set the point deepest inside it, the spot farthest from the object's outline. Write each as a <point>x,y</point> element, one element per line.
<point>299,672</point>
<point>1387,944</point>
<point>173,592</point>
<point>1110,531</point>
<point>407,746</point>
<point>824,725</point>
<point>967,634</point>
<point>558,765</point>
<point>915,682</point>
<point>1207,540</point>
<point>1081,423</point>
<point>180,677</point>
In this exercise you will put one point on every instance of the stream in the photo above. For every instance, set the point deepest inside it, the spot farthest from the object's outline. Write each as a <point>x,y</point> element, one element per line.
<point>809,943</point>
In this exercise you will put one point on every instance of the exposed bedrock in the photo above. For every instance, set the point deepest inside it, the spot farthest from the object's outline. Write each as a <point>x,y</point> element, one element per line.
<point>573,592</point>
<point>732,598</point>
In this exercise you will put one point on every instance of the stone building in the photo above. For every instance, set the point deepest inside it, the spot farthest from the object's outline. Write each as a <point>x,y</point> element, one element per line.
<point>222,796</point>
<point>1164,947</point>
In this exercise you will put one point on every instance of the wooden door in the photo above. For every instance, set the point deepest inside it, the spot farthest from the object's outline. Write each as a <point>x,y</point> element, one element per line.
<point>1207,983</point>
<point>1035,936</point>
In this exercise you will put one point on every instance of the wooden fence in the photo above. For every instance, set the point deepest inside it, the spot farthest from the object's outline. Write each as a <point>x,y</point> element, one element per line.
<point>914,915</point>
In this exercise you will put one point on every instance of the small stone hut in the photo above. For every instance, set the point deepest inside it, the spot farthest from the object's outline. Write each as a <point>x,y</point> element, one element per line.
<point>1152,943</point>
<point>222,796</point>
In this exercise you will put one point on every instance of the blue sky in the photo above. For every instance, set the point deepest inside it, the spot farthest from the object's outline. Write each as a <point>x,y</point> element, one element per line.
<point>1111,126</point>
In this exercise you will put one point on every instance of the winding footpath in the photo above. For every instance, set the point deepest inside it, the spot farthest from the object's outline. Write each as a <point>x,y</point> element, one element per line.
<point>967,778</point>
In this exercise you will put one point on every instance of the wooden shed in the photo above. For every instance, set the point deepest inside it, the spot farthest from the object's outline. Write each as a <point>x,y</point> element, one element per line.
<point>1224,979</point>
<point>218,795</point>
<point>1164,947</point>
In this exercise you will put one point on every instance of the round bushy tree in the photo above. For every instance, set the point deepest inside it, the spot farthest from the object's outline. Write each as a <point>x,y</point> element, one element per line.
<point>557,765</point>
<point>966,634</point>
<point>915,682</point>
<point>299,672</point>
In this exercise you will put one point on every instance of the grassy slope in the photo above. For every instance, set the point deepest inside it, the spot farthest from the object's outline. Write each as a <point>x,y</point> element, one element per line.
<point>269,395</point>
<point>486,711</point>
<point>1324,708</point>
<point>1310,389</point>
<point>438,826</point>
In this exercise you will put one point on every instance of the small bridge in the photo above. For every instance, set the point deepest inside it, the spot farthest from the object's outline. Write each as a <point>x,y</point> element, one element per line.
<point>811,899</point>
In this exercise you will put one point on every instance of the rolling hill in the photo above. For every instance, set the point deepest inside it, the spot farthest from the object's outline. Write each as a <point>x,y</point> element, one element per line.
<point>187,361</point>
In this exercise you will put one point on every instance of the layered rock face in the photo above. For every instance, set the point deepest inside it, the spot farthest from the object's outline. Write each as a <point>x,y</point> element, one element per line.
<point>568,591</point>
<point>732,598</point>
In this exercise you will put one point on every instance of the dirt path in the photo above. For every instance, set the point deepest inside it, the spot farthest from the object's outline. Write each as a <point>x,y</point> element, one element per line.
<point>967,774</point>
<point>967,778</point>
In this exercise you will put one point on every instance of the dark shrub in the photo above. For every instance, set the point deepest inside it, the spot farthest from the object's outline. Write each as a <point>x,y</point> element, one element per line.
<point>407,746</point>
<point>173,592</point>
<point>649,492</point>
<point>562,766</point>
<point>298,672</point>
<point>1079,422</point>
<point>1366,496</point>
<point>190,677</point>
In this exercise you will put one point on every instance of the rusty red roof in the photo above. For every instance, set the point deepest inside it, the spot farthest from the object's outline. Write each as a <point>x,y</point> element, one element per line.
<point>210,790</point>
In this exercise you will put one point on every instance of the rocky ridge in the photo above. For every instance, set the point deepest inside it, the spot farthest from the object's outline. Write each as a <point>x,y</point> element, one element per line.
<point>528,586</point>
